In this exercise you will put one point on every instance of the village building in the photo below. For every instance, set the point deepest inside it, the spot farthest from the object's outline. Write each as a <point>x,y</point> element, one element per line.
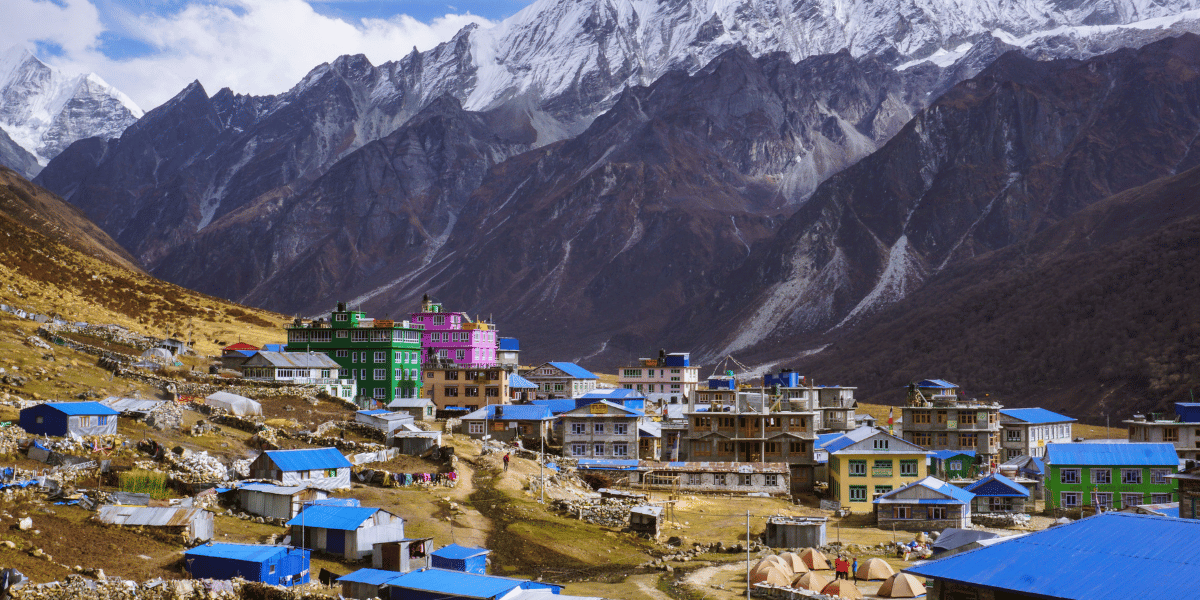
<point>668,379</point>
<point>999,494</point>
<point>137,408</point>
<point>346,531</point>
<point>420,409</point>
<point>464,390</point>
<point>1114,556</point>
<point>795,532</point>
<point>937,417</point>
<point>383,419</point>
<point>1026,431</point>
<point>460,558</point>
<point>453,339</point>
<point>1028,469</point>
<point>627,398</point>
<point>929,504</point>
<point>235,355</point>
<point>442,584</point>
<point>521,389</point>
<point>510,422</point>
<point>60,419</point>
<point>758,428</point>
<point>193,524</point>
<point>719,390</point>
<point>323,468</point>
<point>300,368</point>
<point>509,352</point>
<point>601,429</point>
<point>1188,482</point>
<point>174,346</point>
<point>647,519</point>
<point>695,477</point>
<point>276,501</point>
<point>1182,430</point>
<point>381,355</point>
<point>1093,477</point>
<point>273,565</point>
<point>953,465</point>
<point>366,583</point>
<point>837,405</point>
<point>868,463</point>
<point>561,380</point>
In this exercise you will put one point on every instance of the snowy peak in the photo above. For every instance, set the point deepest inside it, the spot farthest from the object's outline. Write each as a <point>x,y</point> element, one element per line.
<point>44,110</point>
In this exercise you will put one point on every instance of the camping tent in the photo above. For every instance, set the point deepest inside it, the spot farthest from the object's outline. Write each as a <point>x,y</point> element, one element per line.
<point>794,561</point>
<point>843,588</point>
<point>772,574</point>
<point>159,355</point>
<point>814,559</point>
<point>235,404</point>
<point>810,581</point>
<point>901,585</point>
<point>874,568</point>
<point>775,562</point>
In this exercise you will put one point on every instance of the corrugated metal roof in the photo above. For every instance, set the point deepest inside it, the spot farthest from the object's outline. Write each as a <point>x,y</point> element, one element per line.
<point>998,486</point>
<point>130,404</point>
<point>308,459</point>
<point>241,346</point>
<point>935,383</point>
<point>270,488</point>
<point>81,408</point>
<point>952,538</point>
<point>387,415</point>
<point>1113,556</point>
<point>299,360</point>
<point>956,494</point>
<point>1134,454</point>
<point>509,344</point>
<point>346,518</point>
<point>511,412</point>
<point>377,411</point>
<point>858,435</point>
<point>409,402</point>
<point>944,454</point>
<point>825,438</point>
<point>615,394</point>
<point>630,412</point>
<point>573,370</point>
<point>246,552</point>
<point>369,576</point>
<point>456,552</point>
<point>649,429</point>
<point>157,516</point>
<point>517,382</point>
<point>557,405</point>
<point>1035,416</point>
<point>456,583</point>
<point>653,511</point>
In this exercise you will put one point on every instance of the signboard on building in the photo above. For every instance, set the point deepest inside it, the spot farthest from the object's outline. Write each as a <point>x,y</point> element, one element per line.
<point>598,408</point>
<point>951,424</point>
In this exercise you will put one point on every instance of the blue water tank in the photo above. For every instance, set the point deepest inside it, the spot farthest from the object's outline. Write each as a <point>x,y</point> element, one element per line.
<point>678,359</point>
<point>787,379</point>
<point>1189,412</point>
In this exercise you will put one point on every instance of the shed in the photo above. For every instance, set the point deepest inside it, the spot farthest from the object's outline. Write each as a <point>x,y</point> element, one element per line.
<point>419,409</point>
<point>414,443</point>
<point>440,584</point>
<point>276,501</point>
<point>274,565</point>
<point>460,558</point>
<point>192,523</point>
<point>235,404</point>
<point>795,532</point>
<point>646,519</point>
<point>69,419</point>
<point>953,538</point>
<point>507,422</point>
<point>135,407</point>
<point>953,464</point>
<point>998,494</point>
<point>366,583</point>
<point>383,419</point>
<point>347,531</point>
<point>323,468</point>
<point>402,556</point>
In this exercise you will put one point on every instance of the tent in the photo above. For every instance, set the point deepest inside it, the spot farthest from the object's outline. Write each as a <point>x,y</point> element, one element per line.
<point>235,404</point>
<point>874,568</point>
<point>794,561</point>
<point>814,559</point>
<point>159,355</point>
<point>810,581</point>
<point>901,585</point>
<point>775,562</point>
<point>843,588</point>
<point>772,574</point>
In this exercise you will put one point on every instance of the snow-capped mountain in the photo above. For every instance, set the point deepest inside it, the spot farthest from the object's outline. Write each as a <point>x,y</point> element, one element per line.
<point>44,110</point>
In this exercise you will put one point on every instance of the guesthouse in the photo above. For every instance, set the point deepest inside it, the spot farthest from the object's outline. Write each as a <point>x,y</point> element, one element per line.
<point>59,419</point>
<point>507,422</point>
<point>1091,477</point>
<point>999,494</point>
<point>323,468</point>
<point>926,505</point>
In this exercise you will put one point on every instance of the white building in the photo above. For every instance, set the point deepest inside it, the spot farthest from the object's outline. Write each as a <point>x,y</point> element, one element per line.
<point>300,368</point>
<point>668,379</point>
<point>323,468</point>
<point>601,430</point>
<point>1026,431</point>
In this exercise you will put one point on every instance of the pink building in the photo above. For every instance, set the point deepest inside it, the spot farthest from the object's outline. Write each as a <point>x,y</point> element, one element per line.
<point>453,338</point>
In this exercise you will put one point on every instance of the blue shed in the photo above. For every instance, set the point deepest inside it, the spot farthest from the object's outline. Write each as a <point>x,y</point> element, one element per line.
<point>460,558</point>
<point>64,418</point>
<point>274,565</point>
<point>440,584</point>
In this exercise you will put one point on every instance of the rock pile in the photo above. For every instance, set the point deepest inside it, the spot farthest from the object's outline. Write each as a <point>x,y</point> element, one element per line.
<point>1001,519</point>
<point>166,416</point>
<point>78,587</point>
<point>607,512</point>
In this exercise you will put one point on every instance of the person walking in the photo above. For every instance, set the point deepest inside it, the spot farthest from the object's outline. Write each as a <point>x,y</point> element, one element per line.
<point>505,462</point>
<point>854,568</point>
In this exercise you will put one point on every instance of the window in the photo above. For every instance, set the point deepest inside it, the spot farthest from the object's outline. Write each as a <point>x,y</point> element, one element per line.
<point>491,392</point>
<point>451,375</point>
<point>379,393</point>
<point>342,353</point>
<point>620,428</point>
<point>360,336</point>
<point>103,419</point>
<point>1131,476</point>
<point>937,512</point>
<point>901,512</point>
<point>1170,434</point>
<point>857,468</point>
<point>881,443</point>
<point>598,428</point>
<point>1157,476</point>
<point>578,428</point>
<point>941,439</point>
<point>1128,500</point>
<point>747,479</point>
<point>381,357</point>
<point>858,493</point>
<point>598,450</point>
<point>272,570</point>
<point>921,438</point>
<point>1068,476</point>
<point>579,449</point>
<point>1069,499</point>
<point>341,317</point>
<point>380,374</point>
<point>1102,499</point>
<point>941,417</point>
<point>342,333</point>
<point>920,418</point>
<point>770,480</point>
<point>620,449</point>
<point>471,391</point>
<point>693,479</point>
<point>955,465</point>
<point>908,468</point>
<point>967,440</point>
<point>325,373</point>
<point>882,489</point>
<point>719,479</point>
<point>1160,498</point>
<point>40,420</point>
<point>1014,435</point>
<point>399,373</point>
<point>1101,475</point>
<point>1000,504</point>
<point>796,448</point>
<point>476,427</point>
<point>344,374</point>
<point>450,391</point>
<point>632,372</point>
<point>460,354</point>
<point>85,421</point>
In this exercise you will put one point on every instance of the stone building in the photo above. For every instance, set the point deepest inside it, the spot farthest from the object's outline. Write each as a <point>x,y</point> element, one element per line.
<point>1181,430</point>
<point>465,389</point>
<point>601,430</point>
<point>926,505</point>
<point>668,379</point>
<point>561,380</point>
<point>937,417</point>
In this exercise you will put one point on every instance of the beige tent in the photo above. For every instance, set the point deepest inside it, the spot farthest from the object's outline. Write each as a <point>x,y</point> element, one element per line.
<point>794,561</point>
<point>813,559</point>
<point>810,581</point>
<point>773,561</point>
<point>874,568</point>
<point>771,574</point>
<point>901,585</point>
<point>843,588</point>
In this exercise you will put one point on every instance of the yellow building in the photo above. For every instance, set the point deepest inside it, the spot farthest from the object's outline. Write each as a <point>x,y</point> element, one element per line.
<point>867,463</point>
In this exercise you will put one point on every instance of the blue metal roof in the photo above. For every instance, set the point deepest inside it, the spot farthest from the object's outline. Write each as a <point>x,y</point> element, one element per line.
<point>377,411</point>
<point>369,576</point>
<point>517,382</point>
<point>957,494</point>
<point>607,464</point>
<point>458,583</point>
<point>614,394</point>
<point>557,405</point>
<point>825,438</point>
<point>274,347</point>
<point>944,454</point>
<point>510,344</point>
<point>271,488</point>
<point>81,408</point>
<point>998,486</point>
<point>511,412</point>
<point>573,370</point>
<point>1136,454</point>
<point>1035,416</point>
<point>456,552</point>
<point>346,518</point>
<point>855,436</point>
<point>246,552</point>
<point>308,459</point>
<point>1112,556</point>
<point>935,383</point>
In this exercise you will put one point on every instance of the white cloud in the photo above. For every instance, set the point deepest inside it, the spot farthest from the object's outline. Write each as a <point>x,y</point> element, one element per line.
<point>250,46</point>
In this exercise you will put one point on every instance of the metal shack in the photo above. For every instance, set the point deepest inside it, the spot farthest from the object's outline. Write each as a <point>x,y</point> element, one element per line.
<point>440,584</point>
<point>366,583</point>
<point>323,468</point>
<point>348,531</point>
<point>61,419</point>
<point>460,558</point>
<point>274,565</point>
<point>795,532</point>
<point>383,419</point>
<point>192,523</point>
<point>646,519</point>
<point>414,443</point>
<point>276,501</point>
<point>419,408</point>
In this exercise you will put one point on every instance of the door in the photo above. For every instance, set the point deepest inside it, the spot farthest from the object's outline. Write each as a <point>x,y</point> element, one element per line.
<point>335,540</point>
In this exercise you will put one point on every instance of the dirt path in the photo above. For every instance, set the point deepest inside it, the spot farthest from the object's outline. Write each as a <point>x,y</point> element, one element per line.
<point>646,585</point>
<point>719,580</point>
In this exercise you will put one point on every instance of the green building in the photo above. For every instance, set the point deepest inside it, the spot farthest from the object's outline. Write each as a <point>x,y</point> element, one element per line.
<point>1084,477</point>
<point>383,356</point>
<point>953,464</point>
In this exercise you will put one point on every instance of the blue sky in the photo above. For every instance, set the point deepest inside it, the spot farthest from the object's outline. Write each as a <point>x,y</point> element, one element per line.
<point>151,49</point>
